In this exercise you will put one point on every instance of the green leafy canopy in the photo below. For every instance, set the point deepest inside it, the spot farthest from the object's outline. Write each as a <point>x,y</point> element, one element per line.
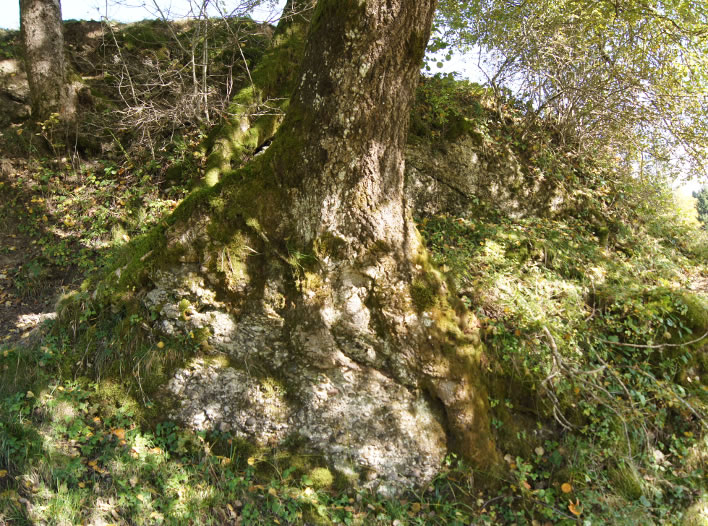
<point>629,77</point>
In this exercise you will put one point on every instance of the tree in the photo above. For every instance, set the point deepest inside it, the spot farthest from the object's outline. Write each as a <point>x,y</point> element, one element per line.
<point>701,197</point>
<point>43,42</point>
<point>627,77</point>
<point>305,266</point>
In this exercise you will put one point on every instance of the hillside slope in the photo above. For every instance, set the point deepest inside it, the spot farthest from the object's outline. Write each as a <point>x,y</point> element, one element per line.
<point>589,286</point>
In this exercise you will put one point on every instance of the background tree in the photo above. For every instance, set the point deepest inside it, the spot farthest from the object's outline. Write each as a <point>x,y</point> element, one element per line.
<point>622,76</point>
<point>701,197</point>
<point>43,42</point>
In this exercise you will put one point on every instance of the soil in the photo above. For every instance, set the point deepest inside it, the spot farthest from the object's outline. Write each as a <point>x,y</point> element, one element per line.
<point>26,298</point>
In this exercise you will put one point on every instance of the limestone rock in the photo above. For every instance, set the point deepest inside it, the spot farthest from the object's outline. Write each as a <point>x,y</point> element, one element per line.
<point>366,425</point>
<point>14,92</point>
<point>449,181</point>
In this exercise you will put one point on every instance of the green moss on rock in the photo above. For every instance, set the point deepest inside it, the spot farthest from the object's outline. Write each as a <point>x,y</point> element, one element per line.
<point>321,478</point>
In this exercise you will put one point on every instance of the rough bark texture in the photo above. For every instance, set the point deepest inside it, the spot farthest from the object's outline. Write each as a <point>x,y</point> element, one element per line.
<point>43,41</point>
<point>305,280</point>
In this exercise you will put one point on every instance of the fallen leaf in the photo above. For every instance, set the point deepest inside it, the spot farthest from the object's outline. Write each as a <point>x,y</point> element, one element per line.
<point>566,488</point>
<point>573,507</point>
<point>120,433</point>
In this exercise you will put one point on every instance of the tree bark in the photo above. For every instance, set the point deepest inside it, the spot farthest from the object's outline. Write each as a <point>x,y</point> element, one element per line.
<point>340,156</point>
<point>305,266</point>
<point>43,41</point>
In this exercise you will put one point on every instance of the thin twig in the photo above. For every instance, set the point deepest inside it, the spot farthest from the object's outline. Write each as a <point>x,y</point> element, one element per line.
<point>658,346</point>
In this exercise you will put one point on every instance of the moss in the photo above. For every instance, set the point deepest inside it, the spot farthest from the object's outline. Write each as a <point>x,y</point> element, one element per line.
<point>321,478</point>
<point>114,398</point>
<point>148,34</point>
<point>696,315</point>
<point>697,514</point>
<point>424,297</point>
<point>272,387</point>
<point>329,245</point>
<point>311,282</point>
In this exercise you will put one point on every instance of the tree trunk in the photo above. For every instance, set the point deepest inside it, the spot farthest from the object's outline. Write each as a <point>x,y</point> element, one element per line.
<point>43,41</point>
<point>306,271</point>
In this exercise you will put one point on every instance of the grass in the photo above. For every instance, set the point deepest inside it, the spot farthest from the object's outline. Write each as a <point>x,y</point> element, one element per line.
<point>593,431</point>
<point>598,397</point>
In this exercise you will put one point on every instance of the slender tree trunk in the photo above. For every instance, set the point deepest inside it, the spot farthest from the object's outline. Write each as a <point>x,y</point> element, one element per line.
<point>43,41</point>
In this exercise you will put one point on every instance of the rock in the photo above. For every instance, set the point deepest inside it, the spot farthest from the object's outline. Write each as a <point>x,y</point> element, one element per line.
<point>450,181</point>
<point>367,426</point>
<point>14,92</point>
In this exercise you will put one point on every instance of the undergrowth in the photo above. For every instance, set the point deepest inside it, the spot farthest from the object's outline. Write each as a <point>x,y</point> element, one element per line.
<point>595,322</point>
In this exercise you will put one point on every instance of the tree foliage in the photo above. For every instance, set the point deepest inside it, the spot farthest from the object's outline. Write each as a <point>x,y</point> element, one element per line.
<point>701,197</point>
<point>628,76</point>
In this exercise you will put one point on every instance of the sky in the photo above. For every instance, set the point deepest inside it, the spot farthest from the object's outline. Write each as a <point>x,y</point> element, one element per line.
<point>127,10</point>
<point>134,10</point>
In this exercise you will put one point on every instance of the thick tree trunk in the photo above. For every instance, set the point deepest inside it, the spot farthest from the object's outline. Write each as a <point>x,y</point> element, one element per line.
<point>43,41</point>
<point>305,269</point>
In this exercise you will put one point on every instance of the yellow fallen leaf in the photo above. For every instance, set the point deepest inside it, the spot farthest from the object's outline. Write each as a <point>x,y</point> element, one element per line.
<point>3,473</point>
<point>566,488</point>
<point>120,433</point>
<point>251,461</point>
<point>273,492</point>
<point>82,485</point>
<point>573,507</point>
<point>160,345</point>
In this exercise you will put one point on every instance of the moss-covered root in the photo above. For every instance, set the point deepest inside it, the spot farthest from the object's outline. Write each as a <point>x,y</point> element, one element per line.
<point>256,110</point>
